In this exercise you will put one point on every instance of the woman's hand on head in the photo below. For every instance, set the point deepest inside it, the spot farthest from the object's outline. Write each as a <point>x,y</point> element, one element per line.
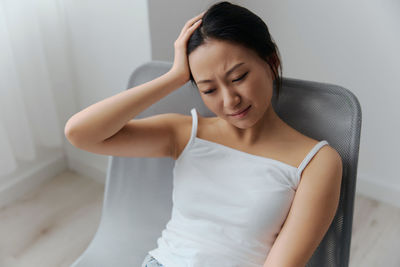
<point>181,65</point>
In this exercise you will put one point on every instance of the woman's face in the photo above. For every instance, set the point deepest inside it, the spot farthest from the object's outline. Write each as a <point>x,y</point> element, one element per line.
<point>230,78</point>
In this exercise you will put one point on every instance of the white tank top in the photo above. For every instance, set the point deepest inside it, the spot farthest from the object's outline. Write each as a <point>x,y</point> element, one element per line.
<point>228,205</point>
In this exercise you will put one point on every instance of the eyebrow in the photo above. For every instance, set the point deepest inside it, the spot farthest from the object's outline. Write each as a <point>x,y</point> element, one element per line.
<point>226,74</point>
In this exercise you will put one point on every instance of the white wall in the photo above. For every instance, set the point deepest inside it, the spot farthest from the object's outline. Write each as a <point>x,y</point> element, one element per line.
<point>108,40</point>
<point>353,44</point>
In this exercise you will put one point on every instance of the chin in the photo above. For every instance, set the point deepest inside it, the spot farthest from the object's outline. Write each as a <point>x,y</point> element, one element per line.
<point>245,124</point>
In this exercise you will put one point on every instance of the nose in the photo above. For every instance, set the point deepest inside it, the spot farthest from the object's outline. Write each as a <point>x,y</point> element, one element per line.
<point>231,98</point>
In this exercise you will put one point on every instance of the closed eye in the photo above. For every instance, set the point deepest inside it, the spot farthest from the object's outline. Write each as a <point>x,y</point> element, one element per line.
<point>236,80</point>
<point>209,91</point>
<point>241,77</point>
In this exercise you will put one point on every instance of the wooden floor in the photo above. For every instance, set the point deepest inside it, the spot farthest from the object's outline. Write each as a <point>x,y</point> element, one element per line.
<point>52,226</point>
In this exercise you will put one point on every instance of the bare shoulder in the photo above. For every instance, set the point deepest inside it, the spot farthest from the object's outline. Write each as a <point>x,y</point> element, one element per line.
<point>327,161</point>
<point>302,144</point>
<point>327,154</point>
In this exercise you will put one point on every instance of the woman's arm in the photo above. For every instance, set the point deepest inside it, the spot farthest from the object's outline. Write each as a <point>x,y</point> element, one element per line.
<point>312,211</point>
<point>104,119</point>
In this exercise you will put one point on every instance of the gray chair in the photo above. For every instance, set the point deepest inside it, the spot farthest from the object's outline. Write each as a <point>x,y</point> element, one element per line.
<point>138,192</point>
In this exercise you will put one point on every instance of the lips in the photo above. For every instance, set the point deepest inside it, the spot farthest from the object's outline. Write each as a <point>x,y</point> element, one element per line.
<point>234,114</point>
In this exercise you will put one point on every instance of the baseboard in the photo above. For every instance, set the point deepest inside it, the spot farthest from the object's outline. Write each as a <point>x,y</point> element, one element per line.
<point>30,176</point>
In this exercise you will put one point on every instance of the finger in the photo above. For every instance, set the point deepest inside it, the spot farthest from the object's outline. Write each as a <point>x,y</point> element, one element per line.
<point>201,14</point>
<point>198,16</point>
<point>193,20</point>
<point>187,27</point>
<point>197,23</point>
<point>190,31</point>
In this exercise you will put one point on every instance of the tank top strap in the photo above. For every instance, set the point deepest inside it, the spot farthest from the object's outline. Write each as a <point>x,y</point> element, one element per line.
<point>309,156</point>
<point>194,123</point>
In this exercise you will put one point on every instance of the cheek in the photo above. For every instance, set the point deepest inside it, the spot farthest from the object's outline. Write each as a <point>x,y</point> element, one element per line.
<point>260,89</point>
<point>254,87</point>
<point>215,105</point>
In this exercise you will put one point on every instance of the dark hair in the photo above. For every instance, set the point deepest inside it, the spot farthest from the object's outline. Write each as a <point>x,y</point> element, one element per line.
<point>229,22</point>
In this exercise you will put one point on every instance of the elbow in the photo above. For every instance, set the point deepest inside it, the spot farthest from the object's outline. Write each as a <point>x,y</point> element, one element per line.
<point>71,134</point>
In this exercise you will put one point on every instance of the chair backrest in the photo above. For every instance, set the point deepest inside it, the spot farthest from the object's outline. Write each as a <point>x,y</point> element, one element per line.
<point>138,193</point>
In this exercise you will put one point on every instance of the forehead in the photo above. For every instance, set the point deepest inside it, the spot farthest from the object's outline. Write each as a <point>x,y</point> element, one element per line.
<point>216,57</point>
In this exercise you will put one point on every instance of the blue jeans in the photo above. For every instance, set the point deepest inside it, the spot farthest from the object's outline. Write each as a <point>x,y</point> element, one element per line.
<point>150,261</point>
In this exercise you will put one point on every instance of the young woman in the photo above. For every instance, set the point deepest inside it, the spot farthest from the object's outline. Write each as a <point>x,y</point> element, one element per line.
<point>249,189</point>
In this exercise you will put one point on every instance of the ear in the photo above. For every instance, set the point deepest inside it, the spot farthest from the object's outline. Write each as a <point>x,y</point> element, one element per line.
<point>273,62</point>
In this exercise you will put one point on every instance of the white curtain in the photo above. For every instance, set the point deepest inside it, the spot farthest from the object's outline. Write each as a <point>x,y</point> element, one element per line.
<point>30,35</point>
